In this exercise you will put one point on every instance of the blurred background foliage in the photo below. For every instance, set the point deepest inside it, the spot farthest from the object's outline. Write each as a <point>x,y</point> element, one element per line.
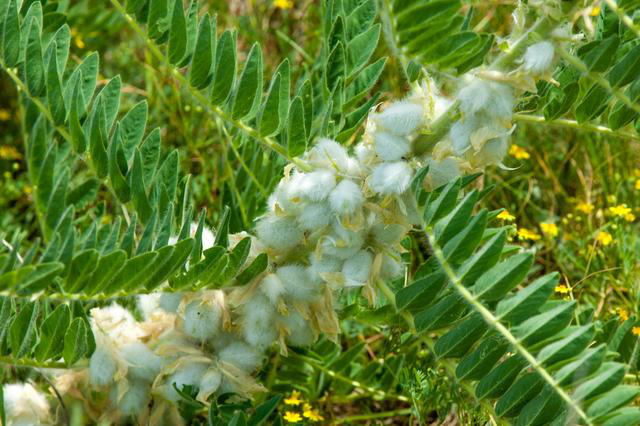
<point>574,195</point>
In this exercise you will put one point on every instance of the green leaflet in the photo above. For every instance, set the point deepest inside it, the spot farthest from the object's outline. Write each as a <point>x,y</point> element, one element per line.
<point>77,341</point>
<point>248,92</point>
<point>52,334</point>
<point>34,64</point>
<point>225,68</point>
<point>177,33</point>
<point>269,114</point>
<point>297,134</point>
<point>23,333</point>
<point>55,100</point>
<point>11,35</point>
<point>202,63</point>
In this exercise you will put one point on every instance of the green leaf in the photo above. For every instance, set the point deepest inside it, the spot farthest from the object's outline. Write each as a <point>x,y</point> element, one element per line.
<point>83,194</point>
<point>500,378</point>
<point>138,191</point>
<point>586,364</point>
<point>624,417</point>
<point>256,267</point>
<point>76,341</point>
<point>132,127</point>
<point>612,400</point>
<point>56,204</point>
<point>346,358</point>
<point>34,64</point>
<point>297,133</point>
<point>487,256</point>
<point>421,293</point>
<point>443,204</point>
<point>263,411</point>
<point>98,141</point>
<point>55,99</point>
<point>627,69</point>
<point>23,332</point>
<point>118,168</point>
<point>336,67</point>
<point>606,378</point>
<point>82,265</point>
<point>565,348</point>
<point>52,334</point>
<point>11,35</point>
<point>593,104</point>
<point>87,73</point>
<point>450,225</point>
<point>457,341</point>
<point>132,273</point>
<point>544,325</point>
<point>519,307</point>
<point>598,54</point>
<point>360,48</point>
<point>268,118</point>
<point>76,109</point>
<point>158,20</point>
<point>110,96</point>
<point>515,398</point>
<point>477,364</point>
<point>108,266</point>
<point>225,68</point>
<point>249,91</point>
<point>45,178</point>
<point>499,280</point>
<point>150,155</point>
<point>444,312</point>
<point>201,65</point>
<point>177,33</point>
<point>541,409</point>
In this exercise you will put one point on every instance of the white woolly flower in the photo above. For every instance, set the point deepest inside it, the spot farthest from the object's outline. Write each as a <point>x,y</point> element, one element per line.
<point>538,57</point>
<point>314,216</point>
<point>391,178</point>
<point>148,304</point>
<point>346,197</point>
<point>242,356</point>
<point>317,185</point>
<point>187,374</point>
<point>117,323</point>
<point>321,264</point>
<point>494,99</point>
<point>202,319</point>
<point>342,242</point>
<point>102,366</point>
<point>169,302</point>
<point>272,287</point>
<point>460,134</point>
<point>299,332</point>
<point>492,153</point>
<point>279,232</point>
<point>257,321</point>
<point>328,154</point>
<point>134,400</point>
<point>391,147</point>
<point>400,118</point>
<point>298,283</point>
<point>210,382</point>
<point>357,269</point>
<point>443,171</point>
<point>387,234</point>
<point>143,364</point>
<point>365,153</point>
<point>24,405</point>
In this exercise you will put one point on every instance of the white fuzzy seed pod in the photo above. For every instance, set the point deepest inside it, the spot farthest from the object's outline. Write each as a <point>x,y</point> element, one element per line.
<point>391,178</point>
<point>317,185</point>
<point>400,118</point>
<point>346,197</point>
<point>257,321</point>
<point>539,57</point>
<point>202,320</point>
<point>342,243</point>
<point>143,364</point>
<point>273,288</point>
<point>300,333</point>
<point>494,99</point>
<point>134,400</point>
<point>328,154</point>
<point>321,264</point>
<point>460,134</point>
<point>279,233</point>
<point>210,382</point>
<point>442,172</point>
<point>170,302</point>
<point>314,216</point>
<point>188,374</point>
<point>242,356</point>
<point>24,405</point>
<point>298,283</point>
<point>102,367</point>
<point>391,147</point>
<point>365,154</point>
<point>148,304</point>
<point>387,234</point>
<point>357,269</point>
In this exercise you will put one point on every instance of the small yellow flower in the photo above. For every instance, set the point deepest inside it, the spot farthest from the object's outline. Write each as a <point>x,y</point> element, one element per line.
<point>77,39</point>
<point>313,415</point>
<point>595,11</point>
<point>604,237</point>
<point>637,184</point>
<point>292,417</point>
<point>527,234</point>
<point>9,153</point>
<point>623,314</point>
<point>518,152</point>
<point>283,4</point>
<point>629,217</point>
<point>636,331</point>
<point>506,216</point>
<point>550,229</point>
<point>620,210</point>
<point>5,115</point>
<point>585,208</point>
<point>294,399</point>
<point>562,289</point>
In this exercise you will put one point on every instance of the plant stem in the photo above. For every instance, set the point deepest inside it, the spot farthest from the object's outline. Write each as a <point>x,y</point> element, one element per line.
<point>563,122</point>
<point>22,362</point>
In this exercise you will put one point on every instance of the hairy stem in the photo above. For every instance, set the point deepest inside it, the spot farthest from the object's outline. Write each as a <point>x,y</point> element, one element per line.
<point>563,122</point>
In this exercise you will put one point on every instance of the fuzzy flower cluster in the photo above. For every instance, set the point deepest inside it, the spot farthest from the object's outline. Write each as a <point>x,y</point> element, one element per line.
<point>335,223</point>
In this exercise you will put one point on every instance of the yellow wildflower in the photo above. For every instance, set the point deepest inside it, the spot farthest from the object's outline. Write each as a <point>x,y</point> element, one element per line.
<point>9,153</point>
<point>623,314</point>
<point>562,289</point>
<point>292,417</point>
<point>638,184</point>
<point>505,215</point>
<point>620,210</point>
<point>527,234</point>
<point>283,4</point>
<point>595,11</point>
<point>629,217</point>
<point>636,331</point>
<point>313,415</point>
<point>550,229</point>
<point>294,399</point>
<point>77,39</point>
<point>604,237</point>
<point>518,152</point>
<point>4,115</point>
<point>585,208</point>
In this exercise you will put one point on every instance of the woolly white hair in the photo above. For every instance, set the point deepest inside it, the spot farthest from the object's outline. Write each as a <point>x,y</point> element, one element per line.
<point>257,321</point>
<point>443,171</point>
<point>328,154</point>
<point>341,242</point>
<point>170,302</point>
<point>134,399</point>
<point>400,118</point>
<point>297,282</point>
<point>317,185</point>
<point>365,153</point>
<point>494,99</point>
<point>387,234</point>
<point>300,334</point>
<point>102,367</point>
<point>322,264</point>
<point>460,133</point>
<point>25,405</point>
<point>148,304</point>
<point>391,178</point>
<point>284,195</point>
<point>201,319</point>
<point>346,197</point>
<point>272,287</point>
<point>314,216</point>
<point>241,355</point>
<point>538,57</point>
<point>279,232</point>
<point>187,374</point>
<point>116,322</point>
<point>143,364</point>
<point>492,152</point>
<point>391,147</point>
<point>357,269</point>
<point>210,381</point>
